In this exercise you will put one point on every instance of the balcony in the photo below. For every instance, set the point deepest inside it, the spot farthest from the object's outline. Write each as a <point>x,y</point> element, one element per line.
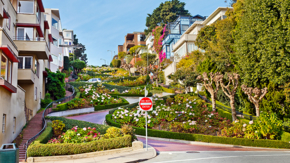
<point>28,46</point>
<point>8,86</point>
<point>184,38</point>
<point>26,76</point>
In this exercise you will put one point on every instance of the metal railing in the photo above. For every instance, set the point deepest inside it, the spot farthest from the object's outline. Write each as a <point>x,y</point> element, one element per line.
<point>47,111</point>
<point>21,38</point>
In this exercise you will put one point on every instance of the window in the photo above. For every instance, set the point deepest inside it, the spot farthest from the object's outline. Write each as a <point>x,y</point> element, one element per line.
<point>26,6</point>
<point>6,69</point>
<point>24,33</point>
<point>38,14</point>
<point>69,51</point>
<point>55,43</point>
<point>36,64</point>
<point>67,34</point>
<point>185,27</point>
<point>8,22</point>
<point>167,48</point>
<point>54,23</point>
<point>35,94</point>
<point>4,123</point>
<point>14,125</point>
<point>69,43</point>
<point>59,42</point>
<point>66,43</point>
<point>25,62</point>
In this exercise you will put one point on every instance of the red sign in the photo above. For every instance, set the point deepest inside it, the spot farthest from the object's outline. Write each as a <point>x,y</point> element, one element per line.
<point>145,103</point>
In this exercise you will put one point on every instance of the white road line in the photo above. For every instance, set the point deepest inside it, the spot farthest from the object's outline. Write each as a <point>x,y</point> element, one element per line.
<point>208,158</point>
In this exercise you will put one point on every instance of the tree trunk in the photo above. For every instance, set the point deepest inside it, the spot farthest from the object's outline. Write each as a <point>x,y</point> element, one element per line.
<point>234,114</point>
<point>213,102</point>
<point>257,109</point>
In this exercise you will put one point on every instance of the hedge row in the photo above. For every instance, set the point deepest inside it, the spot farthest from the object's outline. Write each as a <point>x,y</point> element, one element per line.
<point>122,79</point>
<point>167,90</point>
<point>131,95</point>
<point>71,148</point>
<point>70,123</point>
<point>130,106</point>
<point>119,88</point>
<point>45,136</point>
<point>207,138</point>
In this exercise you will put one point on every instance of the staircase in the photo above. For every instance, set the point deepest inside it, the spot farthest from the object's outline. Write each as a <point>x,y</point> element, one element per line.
<point>34,127</point>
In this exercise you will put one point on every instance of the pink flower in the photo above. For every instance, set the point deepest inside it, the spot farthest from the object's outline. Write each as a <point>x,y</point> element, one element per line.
<point>89,128</point>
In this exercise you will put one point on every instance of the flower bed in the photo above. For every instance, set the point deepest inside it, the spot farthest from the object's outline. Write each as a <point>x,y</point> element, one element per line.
<point>78,139</point>
<point>188,114</point>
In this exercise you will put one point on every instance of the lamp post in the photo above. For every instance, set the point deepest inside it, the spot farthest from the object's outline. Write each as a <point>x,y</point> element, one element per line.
<point>104,60</point>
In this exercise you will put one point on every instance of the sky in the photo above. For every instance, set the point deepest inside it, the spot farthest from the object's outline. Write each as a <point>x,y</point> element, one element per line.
<point>101,25</point>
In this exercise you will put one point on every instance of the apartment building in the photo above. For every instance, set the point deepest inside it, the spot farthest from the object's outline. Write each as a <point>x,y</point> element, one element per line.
<point>68,40</point>
<point>56,34</point>
<point>12,96</point>
<point>186,43</point>
<point>175,30</point>
<point>149,43</point>
<point>133,39</point>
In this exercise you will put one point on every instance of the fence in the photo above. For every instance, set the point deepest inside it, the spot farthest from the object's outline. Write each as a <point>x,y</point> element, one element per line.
<point>47,111</point>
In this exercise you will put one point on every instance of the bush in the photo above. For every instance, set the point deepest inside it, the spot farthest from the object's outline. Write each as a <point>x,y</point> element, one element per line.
<point>168,90</point>
<point>35,150</point>
<point>45,136</point>
<point>112,132</point>
<point>285,137</point>
<point>116,63</point>
<point>206,138</point>
<point>65,62</point>
<point>70,123</point>
<point>61,107</point>
<point>58,127</point>
<point>47,100</point>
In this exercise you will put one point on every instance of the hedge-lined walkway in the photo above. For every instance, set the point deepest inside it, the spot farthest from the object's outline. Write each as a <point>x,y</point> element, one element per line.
<point>33,127</point>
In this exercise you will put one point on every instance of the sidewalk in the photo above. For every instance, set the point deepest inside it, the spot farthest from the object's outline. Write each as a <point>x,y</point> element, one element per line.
<point>133,156</point>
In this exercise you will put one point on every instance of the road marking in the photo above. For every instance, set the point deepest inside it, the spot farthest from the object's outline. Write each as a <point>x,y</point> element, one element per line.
<point>208,158</point>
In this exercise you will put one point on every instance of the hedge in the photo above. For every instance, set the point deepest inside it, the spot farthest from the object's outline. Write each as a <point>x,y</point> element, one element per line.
<point>45,136</point>
<point>285,137</point>
<point>206,138</point>
<point>61,107</point>
<point>77,148</point>
<point>131,95</point>
<point>110,106</point>
<point>122,79</point>
<point>130,106</point>
<point>70,123</point>
<point>167,90</point>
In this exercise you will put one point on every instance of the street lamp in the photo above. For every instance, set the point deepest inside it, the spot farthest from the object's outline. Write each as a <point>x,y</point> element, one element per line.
<point>104,60</point>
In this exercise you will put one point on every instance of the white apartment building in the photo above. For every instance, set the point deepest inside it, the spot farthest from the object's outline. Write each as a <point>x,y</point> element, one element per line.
<point>56,37</point>
<point>186,43</point>
<point>68,40</point>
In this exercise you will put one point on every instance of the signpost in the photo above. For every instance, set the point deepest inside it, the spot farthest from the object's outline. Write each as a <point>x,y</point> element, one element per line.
<point>146,104</point>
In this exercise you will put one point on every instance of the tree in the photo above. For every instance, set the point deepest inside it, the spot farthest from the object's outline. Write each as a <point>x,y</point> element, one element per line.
<point>128,59</point>
<point>230,89</point>
<point>116,63</point>
<point>140,63</point>
<point>78,65</point>
<point>151,58</point>
<point>65,62</point>
<point>55,84</point>
<point>263,42</point>
<point>166,12</point>
<point>134,49</point>
<point>71,56</point>
<point>211,85</point>
<point>121,55</point>
<point>259,95</point>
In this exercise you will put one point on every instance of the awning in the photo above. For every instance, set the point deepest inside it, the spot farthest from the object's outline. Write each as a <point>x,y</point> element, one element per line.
<point>50,38</point>
<point>40,4</point>
<point>8,86</point>
<point>45,74</point>
<point>37,26</point>
<point>50,58</point>
<point>5,14</point>
<point>169,41</point>
<point>46,26</point>
<point>9,53</point>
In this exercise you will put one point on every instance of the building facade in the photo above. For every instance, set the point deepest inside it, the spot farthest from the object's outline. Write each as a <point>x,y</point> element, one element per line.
<point>68,40</point>
<point>131,40</point>
<point>56,34</point>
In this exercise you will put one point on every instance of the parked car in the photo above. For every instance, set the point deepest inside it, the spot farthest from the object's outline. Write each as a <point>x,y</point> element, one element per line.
<point>94,80</point>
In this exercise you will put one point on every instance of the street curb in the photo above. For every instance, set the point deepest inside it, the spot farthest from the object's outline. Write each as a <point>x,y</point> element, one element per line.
<point>204,143</point>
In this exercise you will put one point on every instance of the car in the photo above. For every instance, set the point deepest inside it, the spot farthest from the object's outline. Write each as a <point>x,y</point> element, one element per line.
<point>94,80</point>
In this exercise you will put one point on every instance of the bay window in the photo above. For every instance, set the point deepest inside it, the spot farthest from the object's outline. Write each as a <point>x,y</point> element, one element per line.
<point>24,33</point>
<point>6,69</point>
<point>26,6</point>
<point>25,63</point>
<point>55,42</point>
<point>54,23</point>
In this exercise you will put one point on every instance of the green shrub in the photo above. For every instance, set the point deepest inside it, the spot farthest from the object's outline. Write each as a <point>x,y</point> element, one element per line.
<point>45,136</point>
<point>116,63</point>
<point>285,137</point>
<point>206,138</point>
<point>61,107</point>
<point>35,150</point>
<point>46,101</point>
<point>112,132</point>
<point>168,90</point>
<point>70,123</point>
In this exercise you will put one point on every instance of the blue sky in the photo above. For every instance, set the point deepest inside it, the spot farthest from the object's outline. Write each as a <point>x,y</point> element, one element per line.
<point>101,25</point>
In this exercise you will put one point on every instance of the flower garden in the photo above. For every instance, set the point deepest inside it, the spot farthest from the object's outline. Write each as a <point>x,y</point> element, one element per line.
<point>61,137</point>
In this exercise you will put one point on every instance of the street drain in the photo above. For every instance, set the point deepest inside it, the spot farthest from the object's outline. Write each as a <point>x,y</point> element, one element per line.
<point>192,152</point>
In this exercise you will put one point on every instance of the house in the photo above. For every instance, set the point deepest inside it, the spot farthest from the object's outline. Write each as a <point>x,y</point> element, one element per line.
<point>133,39</point>
<point>175,30</point>
<point>69,40</point>
<point>24,54</point>
<point>56,32</point>
<point>186,43</point>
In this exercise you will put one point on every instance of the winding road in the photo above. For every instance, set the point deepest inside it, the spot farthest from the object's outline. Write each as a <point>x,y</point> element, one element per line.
<point>196,152</point>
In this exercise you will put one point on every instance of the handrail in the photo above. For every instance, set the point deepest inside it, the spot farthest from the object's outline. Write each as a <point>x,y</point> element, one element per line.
<point>43,116</point>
